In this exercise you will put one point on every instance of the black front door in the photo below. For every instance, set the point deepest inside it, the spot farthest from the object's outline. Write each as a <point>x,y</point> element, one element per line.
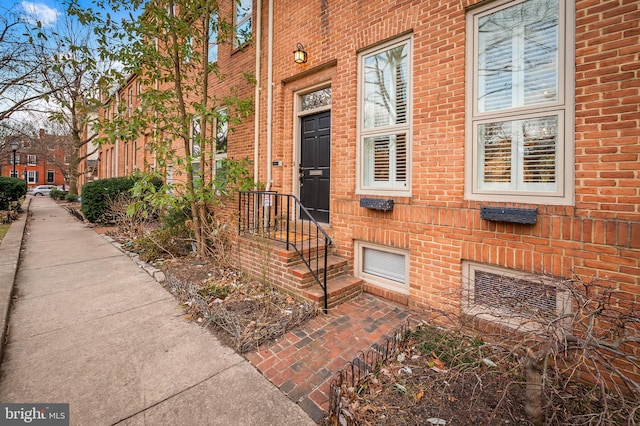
<point>315,164</point>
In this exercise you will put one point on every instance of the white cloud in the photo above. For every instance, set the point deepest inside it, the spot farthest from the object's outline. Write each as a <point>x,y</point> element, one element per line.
<point>40,12</point>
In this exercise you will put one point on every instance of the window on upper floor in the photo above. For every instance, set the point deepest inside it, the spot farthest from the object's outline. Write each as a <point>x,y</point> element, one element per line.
<point>242,22</point>
<point>213,38</point>
<point>519,102</point>
<point>32,160</point>
<point>384,154</point>
<point>130,101</point>
<point>196,131</point>
<point>222,134</point>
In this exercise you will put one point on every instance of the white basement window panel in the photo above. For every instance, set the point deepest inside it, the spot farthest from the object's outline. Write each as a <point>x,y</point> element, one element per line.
<point>383,266</point>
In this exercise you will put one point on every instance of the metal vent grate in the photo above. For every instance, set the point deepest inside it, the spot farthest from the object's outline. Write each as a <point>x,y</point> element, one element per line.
<point>514,295</point>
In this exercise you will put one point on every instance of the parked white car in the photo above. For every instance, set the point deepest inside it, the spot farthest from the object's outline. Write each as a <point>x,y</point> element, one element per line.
<point>41,190</point>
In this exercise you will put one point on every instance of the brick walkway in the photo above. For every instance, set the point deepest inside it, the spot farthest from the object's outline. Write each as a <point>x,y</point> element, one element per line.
<point>303,362</point>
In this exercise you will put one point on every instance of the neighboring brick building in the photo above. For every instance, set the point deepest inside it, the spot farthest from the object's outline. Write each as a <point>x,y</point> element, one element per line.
<point>40,161</point>
<point>507,135</point>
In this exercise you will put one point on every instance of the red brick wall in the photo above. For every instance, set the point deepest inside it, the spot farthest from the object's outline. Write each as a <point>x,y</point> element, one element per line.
<point>597,237</point>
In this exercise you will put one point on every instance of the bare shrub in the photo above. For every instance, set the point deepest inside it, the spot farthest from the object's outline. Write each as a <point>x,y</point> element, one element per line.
<point>131,223</point>
<point>580,363</point>
<point>508,360</point>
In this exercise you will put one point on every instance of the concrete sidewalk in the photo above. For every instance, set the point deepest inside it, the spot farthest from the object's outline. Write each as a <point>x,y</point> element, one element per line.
<point>90,328</point>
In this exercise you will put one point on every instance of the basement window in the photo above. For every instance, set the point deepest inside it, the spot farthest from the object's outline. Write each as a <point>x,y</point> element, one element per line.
<point>383,266</point>
<point>513,298</point>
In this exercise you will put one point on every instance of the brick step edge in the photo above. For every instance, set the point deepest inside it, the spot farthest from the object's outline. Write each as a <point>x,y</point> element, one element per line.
<point>339,290</point>
<point>301,270</point>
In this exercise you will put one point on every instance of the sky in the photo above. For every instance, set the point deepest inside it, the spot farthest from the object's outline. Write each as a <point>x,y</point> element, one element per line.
<point>49,13</point>
<point>46,11</point>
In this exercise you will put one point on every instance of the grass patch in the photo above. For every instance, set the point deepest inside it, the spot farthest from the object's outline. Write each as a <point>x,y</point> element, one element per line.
<point>3,231</point>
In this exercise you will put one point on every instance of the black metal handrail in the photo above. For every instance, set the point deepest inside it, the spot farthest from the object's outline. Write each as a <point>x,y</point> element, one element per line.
<point>270,215</point>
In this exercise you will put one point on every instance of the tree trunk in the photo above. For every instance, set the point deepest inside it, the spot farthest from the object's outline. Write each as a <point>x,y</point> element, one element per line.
<point>534,368</point>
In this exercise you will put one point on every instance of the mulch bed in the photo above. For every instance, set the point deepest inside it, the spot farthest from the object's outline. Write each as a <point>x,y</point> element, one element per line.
<point>248,313</point>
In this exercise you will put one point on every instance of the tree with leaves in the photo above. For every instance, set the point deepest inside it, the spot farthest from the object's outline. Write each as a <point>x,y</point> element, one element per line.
<point>167,47</point>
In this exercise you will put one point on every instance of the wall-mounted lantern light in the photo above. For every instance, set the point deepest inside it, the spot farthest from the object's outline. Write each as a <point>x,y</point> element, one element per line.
<point>299,55</point>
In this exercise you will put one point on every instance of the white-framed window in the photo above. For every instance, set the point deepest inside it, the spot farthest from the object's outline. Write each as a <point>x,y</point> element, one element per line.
<point>196,130</point>
<point>520,98</point>
<point>50,176</point>
<point>13,174</point>
<point>386,267</point>
<point>242,22</point>
<point>514,298</point>
<point>126,157</point>
<point>134,155</point>
<point>32,177</point>
<point>213,38</point>
<point>384,148</point>
<point>32,160</point>
<point>222,135</point>
<point>130,101</point>
<point>113,163</point>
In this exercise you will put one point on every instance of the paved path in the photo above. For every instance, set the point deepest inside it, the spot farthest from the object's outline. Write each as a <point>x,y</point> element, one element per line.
<point>90,328</point>
<point>304,361</point>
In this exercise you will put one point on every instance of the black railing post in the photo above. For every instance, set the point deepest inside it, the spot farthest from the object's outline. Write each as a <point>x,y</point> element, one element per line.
<point>326,296</point>
<point>288,219</point>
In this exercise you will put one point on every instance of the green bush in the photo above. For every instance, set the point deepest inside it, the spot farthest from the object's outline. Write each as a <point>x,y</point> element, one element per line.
<point>71,197</point>
<point>11,190</point>
<point>58,194</point>
<point>96,195</point>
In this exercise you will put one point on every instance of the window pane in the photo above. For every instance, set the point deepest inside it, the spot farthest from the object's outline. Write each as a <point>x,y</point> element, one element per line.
<point>195,137</point>
<point>316,99</point>
<point>243,33</point>
<point>243,10</point>
<point>519,154</point>
<point>496,143</point>
<point>386,161</point>
<point>213,39</point>
<point>384,264</point>
<point>540,57</point>
<point>385,88</point>
<point>243,22</point>
<point>539,157</point>
<point>222,133</point>
<point>518,56</point>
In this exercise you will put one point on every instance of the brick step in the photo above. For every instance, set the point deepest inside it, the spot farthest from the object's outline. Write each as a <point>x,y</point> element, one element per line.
<point>339,290</point>
<point>290,256</point>
<point>336,266</point>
